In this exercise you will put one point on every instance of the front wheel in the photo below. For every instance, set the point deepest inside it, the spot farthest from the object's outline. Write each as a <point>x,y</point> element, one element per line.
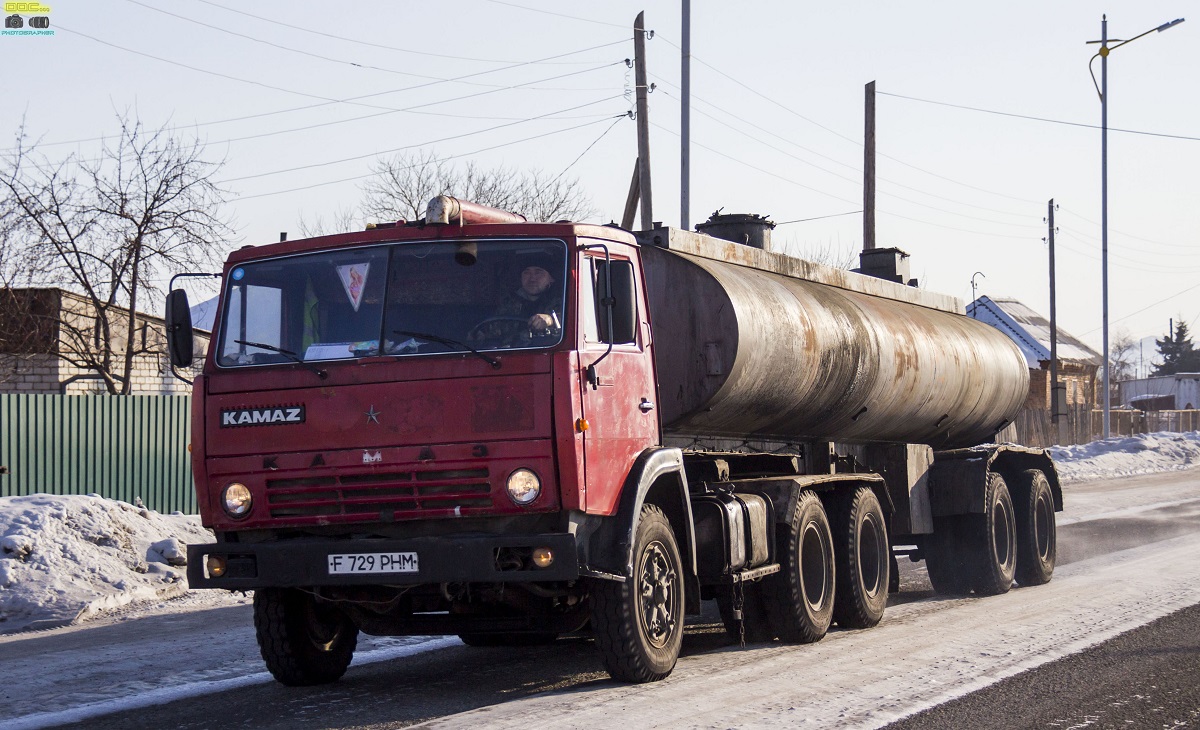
<point>304,641</point>
<point>638,624</point>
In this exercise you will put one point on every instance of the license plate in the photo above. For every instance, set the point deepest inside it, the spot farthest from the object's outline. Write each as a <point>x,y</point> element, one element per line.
<point>365,563</point>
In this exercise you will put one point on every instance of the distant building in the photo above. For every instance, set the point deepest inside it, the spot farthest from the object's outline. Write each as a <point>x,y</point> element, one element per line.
<point>46,335</point>
<point>1163,393</point>
<point>1077,363</point>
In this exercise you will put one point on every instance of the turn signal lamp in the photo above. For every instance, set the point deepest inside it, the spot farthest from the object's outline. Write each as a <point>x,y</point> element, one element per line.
<point>216,565</point>
<point>581,425</point>
<point>543,557</point>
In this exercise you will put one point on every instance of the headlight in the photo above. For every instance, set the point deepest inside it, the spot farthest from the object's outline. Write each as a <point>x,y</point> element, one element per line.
<point>236,500</point>
<point>523,486</point>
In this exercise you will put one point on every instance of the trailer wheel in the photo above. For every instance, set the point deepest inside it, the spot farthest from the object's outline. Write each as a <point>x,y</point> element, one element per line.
<point>1037,540</point>
<point>946,553</point>
<point>538,638</point>
<point>994,539</point>
<point>755,624</point>
<point>863,560</point>
<point>303,641</point>
<point>638,624</point>
<point>799,597</point>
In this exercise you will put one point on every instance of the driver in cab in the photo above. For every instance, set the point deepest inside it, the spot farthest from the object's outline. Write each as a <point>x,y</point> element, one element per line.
<point>537,302</point>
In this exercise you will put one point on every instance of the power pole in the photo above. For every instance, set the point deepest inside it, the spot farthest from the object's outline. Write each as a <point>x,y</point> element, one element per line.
<point>1058,391</point>
<point>643,120</point>
<point>869,171</point>
<point>685,122</point>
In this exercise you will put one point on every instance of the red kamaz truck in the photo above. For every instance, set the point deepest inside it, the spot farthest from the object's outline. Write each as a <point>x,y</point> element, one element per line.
<point>471,424</point>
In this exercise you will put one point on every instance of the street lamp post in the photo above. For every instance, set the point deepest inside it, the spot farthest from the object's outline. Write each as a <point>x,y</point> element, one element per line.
<point>1102,90</point>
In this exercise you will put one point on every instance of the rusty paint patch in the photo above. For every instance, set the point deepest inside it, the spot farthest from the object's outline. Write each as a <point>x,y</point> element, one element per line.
<point>502,408</point>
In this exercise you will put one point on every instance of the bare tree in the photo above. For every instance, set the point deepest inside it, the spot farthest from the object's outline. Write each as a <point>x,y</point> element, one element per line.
<point>1121,351</point>
<point>404,184</point>
<point>342,220</point>
<point>105,228</point>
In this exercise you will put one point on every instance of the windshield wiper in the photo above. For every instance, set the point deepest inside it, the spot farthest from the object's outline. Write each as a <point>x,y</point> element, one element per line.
<point>288,353</point>
<point>453,343</point>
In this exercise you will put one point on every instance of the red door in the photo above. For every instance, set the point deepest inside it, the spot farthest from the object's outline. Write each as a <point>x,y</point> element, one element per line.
<point>620,410</point>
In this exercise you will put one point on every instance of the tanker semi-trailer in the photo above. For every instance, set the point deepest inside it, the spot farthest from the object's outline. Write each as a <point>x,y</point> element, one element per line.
<point>471,424</point>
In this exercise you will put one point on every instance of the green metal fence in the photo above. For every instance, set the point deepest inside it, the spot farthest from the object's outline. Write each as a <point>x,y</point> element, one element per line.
<point>122,447</point>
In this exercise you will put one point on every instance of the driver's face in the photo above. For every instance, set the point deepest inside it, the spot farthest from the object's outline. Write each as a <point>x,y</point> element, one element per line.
<point>535,280</point>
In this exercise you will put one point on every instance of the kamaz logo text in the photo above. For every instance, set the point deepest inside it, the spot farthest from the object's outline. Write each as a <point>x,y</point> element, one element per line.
<point>262,416</point>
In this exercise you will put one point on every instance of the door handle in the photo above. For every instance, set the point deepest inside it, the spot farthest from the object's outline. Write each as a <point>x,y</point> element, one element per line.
<point>645,406</point>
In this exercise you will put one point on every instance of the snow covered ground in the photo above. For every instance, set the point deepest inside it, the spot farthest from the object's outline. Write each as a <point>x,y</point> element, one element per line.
<point>66,560</point>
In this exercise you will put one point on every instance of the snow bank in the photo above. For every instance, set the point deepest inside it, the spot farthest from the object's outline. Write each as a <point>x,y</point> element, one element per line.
<point>1126,456</point>
<point>64,559</point>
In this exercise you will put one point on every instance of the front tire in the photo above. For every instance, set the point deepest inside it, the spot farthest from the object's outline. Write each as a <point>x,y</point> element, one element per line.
<point>1037,538</point>
<point>302,640</point>
<point>799,597</point>
<point>863,560</point>
<point>638,624</point>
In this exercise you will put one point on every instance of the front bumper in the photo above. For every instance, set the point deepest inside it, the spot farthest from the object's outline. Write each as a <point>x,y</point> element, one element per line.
<point>305,562</point>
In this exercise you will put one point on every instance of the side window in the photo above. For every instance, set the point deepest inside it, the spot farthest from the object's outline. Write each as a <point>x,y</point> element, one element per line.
<point>624,310</point>
<point>257,320</point>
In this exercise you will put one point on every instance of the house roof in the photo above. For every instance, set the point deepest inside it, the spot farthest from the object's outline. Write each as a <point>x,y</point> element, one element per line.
<point>1031,331</point>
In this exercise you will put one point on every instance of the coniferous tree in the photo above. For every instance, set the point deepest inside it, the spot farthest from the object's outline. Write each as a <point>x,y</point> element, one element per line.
<point>1178,353</point>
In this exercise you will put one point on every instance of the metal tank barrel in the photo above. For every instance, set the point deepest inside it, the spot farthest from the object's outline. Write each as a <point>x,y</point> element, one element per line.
<point>754,345</point>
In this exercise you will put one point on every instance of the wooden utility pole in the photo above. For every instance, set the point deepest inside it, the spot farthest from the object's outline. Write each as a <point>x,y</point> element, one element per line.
<point>869,171</point>
<point>631,200</point>
<point>643,120</point>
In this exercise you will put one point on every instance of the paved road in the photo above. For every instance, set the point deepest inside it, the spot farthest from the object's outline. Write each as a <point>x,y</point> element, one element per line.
<point>1146,678</point>
<point>1122,543</point>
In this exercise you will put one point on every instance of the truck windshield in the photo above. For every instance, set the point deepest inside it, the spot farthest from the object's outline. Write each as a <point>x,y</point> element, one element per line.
<point>396,299</point>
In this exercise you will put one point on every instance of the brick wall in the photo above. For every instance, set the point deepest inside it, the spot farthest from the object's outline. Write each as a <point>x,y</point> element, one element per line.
<point>47,373</point>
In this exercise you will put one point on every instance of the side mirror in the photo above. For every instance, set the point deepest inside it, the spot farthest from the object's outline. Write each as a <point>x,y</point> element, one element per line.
<point>179,329</point>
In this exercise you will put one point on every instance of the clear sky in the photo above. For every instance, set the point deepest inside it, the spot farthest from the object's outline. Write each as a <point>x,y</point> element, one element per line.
<point>298,97</point>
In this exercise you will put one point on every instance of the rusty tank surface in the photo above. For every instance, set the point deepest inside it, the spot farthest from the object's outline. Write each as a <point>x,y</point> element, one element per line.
<point>757,345</point>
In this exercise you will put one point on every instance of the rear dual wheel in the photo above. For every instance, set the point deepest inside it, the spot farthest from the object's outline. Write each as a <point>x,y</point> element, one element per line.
<point>863,560</point>
<point>1037,539</point>
<point>976,552</point>
<point>799,598</point>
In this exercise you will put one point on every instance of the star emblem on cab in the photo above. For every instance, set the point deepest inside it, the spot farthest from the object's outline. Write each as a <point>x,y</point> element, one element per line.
<point>372,415</point>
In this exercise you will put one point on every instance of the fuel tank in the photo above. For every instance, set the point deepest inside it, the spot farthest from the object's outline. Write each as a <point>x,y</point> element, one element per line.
<point>760,346</point>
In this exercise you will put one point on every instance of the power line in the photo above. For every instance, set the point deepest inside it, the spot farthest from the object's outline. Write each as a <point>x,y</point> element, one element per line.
<point>835,197</point>
<point>857,182</point>
<point>561,15</point>
<point>1151,306</point>
<point>449,157</point>
<point>858,143</point>
<point>419,144</point>
<point>820,217</point>
<point>329,102</point>
<point>359,41</point>
<point>586,150</point>
<point>1038,119</point>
